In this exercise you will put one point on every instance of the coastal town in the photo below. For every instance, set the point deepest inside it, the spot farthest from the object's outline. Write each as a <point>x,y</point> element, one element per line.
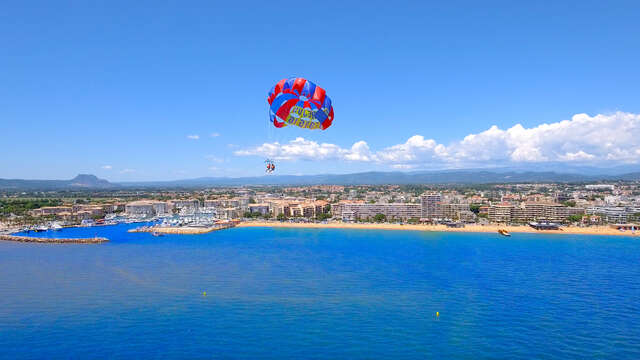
<point>589,208</point>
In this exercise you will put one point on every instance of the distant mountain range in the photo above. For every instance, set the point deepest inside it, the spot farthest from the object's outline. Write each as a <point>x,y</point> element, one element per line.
<point>379,178</point>
<point>85,181</point>
<point>82,181</point>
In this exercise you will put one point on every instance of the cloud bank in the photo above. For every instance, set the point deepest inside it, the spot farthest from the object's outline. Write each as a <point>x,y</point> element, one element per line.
<point>612,139</point>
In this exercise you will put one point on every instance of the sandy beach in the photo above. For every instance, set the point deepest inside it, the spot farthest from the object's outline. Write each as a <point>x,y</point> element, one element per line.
<point>599,230</point>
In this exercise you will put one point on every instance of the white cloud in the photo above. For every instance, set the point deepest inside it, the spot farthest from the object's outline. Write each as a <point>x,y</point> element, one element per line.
<point>299,148</point>
<point>193,137</point>
<point>577,156</point>
<point>583,138</point>
<point>106,167</point>
<point>612,138</point>
<point>414,149</point>
<point>215,134</point>
<point>359,152</point>
<point>127,171</point>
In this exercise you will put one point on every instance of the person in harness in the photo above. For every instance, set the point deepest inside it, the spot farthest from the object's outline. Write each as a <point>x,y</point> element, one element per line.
<point>270,166</point>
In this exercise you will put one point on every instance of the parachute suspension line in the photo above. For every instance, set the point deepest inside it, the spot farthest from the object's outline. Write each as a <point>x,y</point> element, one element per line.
<point>270,167</point>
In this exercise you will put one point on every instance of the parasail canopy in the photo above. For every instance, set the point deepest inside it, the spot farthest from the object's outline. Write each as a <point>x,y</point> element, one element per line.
<point>299,102</point>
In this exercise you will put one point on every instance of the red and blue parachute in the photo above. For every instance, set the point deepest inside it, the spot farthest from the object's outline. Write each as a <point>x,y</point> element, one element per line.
<point>299,102</point>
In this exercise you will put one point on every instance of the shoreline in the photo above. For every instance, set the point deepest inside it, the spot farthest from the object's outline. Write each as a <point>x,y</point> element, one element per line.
<point>569,230</point>
<point>600,230</point>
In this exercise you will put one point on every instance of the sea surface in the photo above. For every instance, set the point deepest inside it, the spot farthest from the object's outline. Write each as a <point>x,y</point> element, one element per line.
<point>262,293</point>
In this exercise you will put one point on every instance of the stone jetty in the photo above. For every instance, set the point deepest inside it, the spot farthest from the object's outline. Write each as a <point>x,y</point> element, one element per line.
<point>185,230</point>
<point>93,240</point>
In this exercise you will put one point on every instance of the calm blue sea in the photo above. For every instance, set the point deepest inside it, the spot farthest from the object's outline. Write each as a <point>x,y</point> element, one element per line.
<point>321,294</point>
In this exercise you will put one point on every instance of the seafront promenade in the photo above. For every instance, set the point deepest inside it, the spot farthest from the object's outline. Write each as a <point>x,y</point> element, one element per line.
<point>93,240</point>
<point>592,230</point>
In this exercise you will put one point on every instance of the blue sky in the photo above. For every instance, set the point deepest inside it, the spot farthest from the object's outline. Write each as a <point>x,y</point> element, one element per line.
<point>117,88</point>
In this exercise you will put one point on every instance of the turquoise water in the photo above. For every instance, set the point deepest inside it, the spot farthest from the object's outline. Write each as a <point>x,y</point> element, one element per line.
<point>321,294</point>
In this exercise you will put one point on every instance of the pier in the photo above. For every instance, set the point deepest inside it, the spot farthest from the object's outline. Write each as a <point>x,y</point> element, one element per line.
<point>93,240</point>
<point>185,230</point>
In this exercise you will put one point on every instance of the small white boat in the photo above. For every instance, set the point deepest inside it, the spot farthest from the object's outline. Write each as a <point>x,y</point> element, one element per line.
<point>56,227</point>
<point>41,228</point>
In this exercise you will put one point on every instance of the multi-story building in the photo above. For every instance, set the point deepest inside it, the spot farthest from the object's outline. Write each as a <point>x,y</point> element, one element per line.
<point>301,210</point>
<point>337,208</point>
<point>111,208</point>
<point>91,207</point>
<point>242,203</point>
<point>349,215</point>
<point>547,211</point>
<point>228,213</point>
<point>531,211</point>
<point>562,213</point>
<point>431,206</point>
<point>306,209</point>
<point>279,207</point>
<point>467,216</point>
<point>483,210</point>
<point>216,203</point>
<point>192,205</point>
<point>50,210</point>
<point>398,211</point>
<point>262,209</point>
<point>613,214</point>
<point>146,208</point>
<point>321,207</point>
<point>500,213</point>
<point>451,211</point>
<point>600,187</point>
<point>79,211</point>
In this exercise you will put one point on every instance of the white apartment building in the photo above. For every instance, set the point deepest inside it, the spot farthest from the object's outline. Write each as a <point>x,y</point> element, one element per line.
<point>399,211</point>
<point>146,208</point>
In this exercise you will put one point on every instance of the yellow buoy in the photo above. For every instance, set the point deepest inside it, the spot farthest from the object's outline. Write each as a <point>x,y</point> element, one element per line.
<point>437,314</point>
